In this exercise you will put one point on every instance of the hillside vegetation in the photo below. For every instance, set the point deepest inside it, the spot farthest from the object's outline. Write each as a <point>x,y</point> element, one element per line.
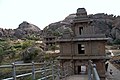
<point>22,44</point>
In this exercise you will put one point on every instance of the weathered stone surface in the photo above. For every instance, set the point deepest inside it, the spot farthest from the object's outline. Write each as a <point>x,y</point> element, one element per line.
<point>24,29</point>
<point>103,23</point>
<point>28,27</point>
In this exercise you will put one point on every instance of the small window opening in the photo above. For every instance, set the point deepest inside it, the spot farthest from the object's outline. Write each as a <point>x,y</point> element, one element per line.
<point>80,30</point>
<point>81,49</point>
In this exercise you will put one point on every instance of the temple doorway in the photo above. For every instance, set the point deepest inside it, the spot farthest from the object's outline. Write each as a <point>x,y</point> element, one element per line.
<point>81,69</point>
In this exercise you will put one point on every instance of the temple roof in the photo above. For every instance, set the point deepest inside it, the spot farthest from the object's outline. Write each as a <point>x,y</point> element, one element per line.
<point>84,57</point>
<point>81,16</point>
<point>82,39</point>
<point>81,11</point>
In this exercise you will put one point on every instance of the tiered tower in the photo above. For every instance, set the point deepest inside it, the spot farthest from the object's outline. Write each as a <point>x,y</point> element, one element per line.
<point>83,45</point>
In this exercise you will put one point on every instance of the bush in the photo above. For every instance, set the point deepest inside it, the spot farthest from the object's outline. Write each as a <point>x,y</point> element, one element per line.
<point>26,44</point>
<point>30,53</point>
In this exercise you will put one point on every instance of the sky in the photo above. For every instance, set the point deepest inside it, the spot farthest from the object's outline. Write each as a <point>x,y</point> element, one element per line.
<point>43,12</point>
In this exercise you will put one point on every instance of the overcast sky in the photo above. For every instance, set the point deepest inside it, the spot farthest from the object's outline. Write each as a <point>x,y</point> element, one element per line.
<point>44,12</point>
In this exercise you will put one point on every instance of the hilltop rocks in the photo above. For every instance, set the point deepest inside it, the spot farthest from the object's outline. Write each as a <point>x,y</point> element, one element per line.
<point>24,30</point>
<point>103,23</point>
<point>115,32</point>
<point>28,27</point>
<point>1,32</point>
<point>19,33</point>
<point>6,32</point>
<point>59,27</point>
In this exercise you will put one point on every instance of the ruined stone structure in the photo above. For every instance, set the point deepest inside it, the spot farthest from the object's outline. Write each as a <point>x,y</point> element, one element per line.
<point>82,45</point>
<point>49,41</point>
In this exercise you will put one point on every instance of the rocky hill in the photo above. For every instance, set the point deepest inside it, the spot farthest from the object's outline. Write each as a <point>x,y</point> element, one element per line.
<point>103,23</point>
<point>24,30</point>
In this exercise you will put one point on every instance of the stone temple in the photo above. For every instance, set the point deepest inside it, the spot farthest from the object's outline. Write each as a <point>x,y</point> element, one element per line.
<point>82,45</point>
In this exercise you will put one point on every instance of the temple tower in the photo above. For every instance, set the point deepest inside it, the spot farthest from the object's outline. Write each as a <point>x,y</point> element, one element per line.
<point>83,45</point>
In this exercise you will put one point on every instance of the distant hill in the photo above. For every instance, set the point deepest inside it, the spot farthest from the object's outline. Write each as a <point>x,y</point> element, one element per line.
<point>24,30</point>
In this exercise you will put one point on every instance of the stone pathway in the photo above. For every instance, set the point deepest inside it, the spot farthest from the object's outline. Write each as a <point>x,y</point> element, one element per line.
<point>77,77</point>
<point>115,75</point>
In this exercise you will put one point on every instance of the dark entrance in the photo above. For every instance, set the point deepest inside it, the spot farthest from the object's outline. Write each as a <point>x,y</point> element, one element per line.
<point>81,69</point>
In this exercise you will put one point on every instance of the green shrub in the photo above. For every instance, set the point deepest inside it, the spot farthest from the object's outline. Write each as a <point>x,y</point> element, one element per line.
<point>26,44</point>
